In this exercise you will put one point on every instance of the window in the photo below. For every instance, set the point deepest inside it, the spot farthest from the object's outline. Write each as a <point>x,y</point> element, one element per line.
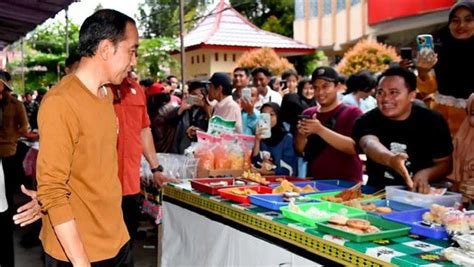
<point>203,58</point>
<point>233,57</point>
<point>299,9</point>
<point>216,56</point>
<point>341,5</point>
<point>327,7</point>
<point>313,8</point>
<point>197,59</point>
<point>192,59</point>
<point>355,2</point>
<point>225,56</point>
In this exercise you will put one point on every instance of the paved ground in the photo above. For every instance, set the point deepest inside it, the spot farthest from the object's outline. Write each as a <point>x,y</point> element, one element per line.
<point>144,248</point>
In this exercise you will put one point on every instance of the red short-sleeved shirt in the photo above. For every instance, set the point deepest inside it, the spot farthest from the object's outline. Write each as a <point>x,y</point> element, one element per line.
<point>332,163</point>
<point>132,116</point>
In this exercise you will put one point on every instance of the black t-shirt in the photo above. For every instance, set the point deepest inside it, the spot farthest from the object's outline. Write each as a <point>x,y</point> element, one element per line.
<point>424,136</point>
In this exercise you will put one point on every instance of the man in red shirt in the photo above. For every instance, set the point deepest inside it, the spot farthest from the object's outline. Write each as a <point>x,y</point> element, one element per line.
<point>324,136</point>
<point>134,140</point>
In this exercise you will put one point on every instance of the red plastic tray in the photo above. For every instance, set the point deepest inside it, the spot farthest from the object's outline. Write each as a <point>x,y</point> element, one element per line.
<point>243,199</point>
<point>204,184</point>
<point>273,179</point>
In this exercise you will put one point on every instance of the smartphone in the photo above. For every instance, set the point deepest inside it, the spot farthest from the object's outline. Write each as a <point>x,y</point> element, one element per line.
<point>425,41</point>
<point>193,100</point>
<point>247,94</point>
<point>304,116</point>
<point>264,123</point>
<point>406,53</point>
<point>283,84</point>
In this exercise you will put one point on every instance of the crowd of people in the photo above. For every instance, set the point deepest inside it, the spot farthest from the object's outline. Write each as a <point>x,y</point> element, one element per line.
<point>98,121</point>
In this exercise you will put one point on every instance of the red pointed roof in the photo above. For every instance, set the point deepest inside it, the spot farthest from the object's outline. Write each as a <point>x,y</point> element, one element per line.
<point>224,27</point>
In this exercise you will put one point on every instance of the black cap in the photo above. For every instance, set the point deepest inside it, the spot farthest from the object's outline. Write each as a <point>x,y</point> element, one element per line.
<point>221,78</point>
<point>325,73</point>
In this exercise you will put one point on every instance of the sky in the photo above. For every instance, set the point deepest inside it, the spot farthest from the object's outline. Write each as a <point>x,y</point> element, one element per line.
<point>79,11</point>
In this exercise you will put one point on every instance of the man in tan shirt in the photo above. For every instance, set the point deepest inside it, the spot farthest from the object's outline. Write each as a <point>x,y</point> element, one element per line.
<point>78,186</point>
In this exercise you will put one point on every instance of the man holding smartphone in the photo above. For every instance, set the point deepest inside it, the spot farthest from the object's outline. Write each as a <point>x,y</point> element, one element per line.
<point>323,135</point>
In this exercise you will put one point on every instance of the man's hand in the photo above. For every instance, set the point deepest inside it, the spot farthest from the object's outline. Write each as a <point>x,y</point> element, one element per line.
<point>30,212</point>
<point>397,163</point>
<point>420,183</point>
<point>160,179</point>
<point>426,61</point>
<point>184,106</point>
<point>246,105</point>
<point>32,136</point>
<point>406,63</point>
<point>191,131</point>
<point>310,126</point>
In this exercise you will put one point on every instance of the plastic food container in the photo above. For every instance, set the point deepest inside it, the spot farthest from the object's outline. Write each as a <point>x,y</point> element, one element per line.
<point>388,229</point>
<point>212,185</point>
<point>401,194</point>
<point>413,218</point>
<point>225,193</point>
<point>329,207</point>
<point>276,179</point>
<point>314,184</point>
<point>394,205</point>
<point>273,201</point>
<point>346,184</point>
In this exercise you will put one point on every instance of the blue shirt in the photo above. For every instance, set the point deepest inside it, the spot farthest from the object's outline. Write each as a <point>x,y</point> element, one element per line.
<point>283,156</point>
<point>249,123</point>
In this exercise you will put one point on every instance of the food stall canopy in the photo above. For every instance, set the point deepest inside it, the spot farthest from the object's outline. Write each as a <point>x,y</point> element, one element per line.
<point>18,17</point>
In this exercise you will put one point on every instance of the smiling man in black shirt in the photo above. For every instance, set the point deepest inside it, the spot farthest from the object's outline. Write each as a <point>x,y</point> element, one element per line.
<point>405,143</point>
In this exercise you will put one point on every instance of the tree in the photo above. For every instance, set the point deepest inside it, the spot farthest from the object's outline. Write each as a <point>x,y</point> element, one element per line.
<point>45,52</point>
<point>154,57</point>
<point>369,55</point>
<point>270,15</point>
<point>264,57</point>
<point>160,18</point>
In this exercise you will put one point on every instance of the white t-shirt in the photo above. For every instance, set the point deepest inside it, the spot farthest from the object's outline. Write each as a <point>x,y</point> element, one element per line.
<point>271,96</point>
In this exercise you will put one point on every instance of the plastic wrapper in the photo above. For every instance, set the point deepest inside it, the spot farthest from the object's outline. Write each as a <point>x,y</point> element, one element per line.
<point>459,256</point>
<point>204,150</point>
<point>455,222</point>
<point>246,143</point>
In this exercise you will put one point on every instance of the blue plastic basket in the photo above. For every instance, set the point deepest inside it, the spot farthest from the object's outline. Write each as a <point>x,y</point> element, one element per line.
<point>346,184</point>
<point>271,201</point>
<point>394,205</point>
<point>413,219</point>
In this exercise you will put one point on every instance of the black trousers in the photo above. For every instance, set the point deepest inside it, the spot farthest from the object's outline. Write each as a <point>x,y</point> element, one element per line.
<point>6,238</point>
<point>6,218</point>
<point>123,259</point>
<point>131,213</point>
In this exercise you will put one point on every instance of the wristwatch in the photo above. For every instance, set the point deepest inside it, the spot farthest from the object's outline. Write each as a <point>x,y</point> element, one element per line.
<point>157,169</point>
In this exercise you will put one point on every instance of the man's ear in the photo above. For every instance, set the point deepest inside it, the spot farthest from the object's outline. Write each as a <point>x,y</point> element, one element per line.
<point>105,49</point>
<point>412,95</point>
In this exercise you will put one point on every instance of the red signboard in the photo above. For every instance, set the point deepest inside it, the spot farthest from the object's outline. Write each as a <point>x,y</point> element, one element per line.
<point>385,10</point>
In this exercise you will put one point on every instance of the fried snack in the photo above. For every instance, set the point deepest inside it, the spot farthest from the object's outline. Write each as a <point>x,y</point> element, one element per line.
<point>358,223</point>
<point>242,192</point>
<point>278,190</point>
<point>351,193</point>
<point>333,199</point>
<point>287,186</point>
<point>383,210</point>
<point>297,189</point>
<point>372,229</point>
<point>338,219</point>
<point>369,207</point>
<point>308,189</point>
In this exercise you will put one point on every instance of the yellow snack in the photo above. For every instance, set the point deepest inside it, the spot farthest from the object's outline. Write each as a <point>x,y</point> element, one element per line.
<point>308,189</point>
<point>278,190</point>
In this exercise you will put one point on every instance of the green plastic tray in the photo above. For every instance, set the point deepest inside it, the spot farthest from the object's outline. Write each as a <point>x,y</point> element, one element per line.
<point>388,229</point>
<point>329,207</point>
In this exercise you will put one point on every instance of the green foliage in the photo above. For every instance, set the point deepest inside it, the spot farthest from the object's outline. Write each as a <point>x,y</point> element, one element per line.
<point>271,15</point>
<point>154,58</point>
<point>160,18</point>
<point>44,55</point>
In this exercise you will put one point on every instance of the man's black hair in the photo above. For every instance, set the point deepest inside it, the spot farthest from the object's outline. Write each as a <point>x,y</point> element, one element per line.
<point>407,75</point>
<point>7,75</point>
<point>71,59</point>
<point>170,77</point>
<point>361,81</point>
<point>105,24</point>
<point>147,82</point>
<point>263,70</point>
<point>244,70</point>
<point>288,73</point>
